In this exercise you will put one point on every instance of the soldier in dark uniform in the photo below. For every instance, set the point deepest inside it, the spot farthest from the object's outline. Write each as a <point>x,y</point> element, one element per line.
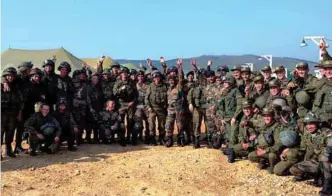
<point>50,80</point>
<point>109,122</point>
<point>126,93</point>
<point>65,87</point>
<point>11,109</point>
<point>43,129</point>
<point>69,129</point>
<point>95,104</point>
<point>133,75</point>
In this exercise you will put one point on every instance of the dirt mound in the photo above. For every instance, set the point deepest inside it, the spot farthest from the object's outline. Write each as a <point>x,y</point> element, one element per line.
<point>141,170</point>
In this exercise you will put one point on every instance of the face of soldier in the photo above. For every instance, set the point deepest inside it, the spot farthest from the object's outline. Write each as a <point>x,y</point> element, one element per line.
<point>173,73</point>
<point>82,76</point>
<point>140,78</point>
<point>36,78</point>
<point>171,82</point>
<point>268,119</point>
<point>218,81</point>
<point>133,77</point>
<point>156,80</point>
<point>95,80</point>
<point>62,107</point>
<point>190,78</point>
<point>259,86</point>
<point>274,91</point>
<point>210,80</point>
<point>322,71</point>
<point>115,70</point>
<point>48,68</point>
<point>328,73</point>
<point>106,76</point>
<point>245,76</point>
<point>110,105</point>
<point>45,109</point>
<point>10,78</point>
<point>281,74</point>
<point>311,127</point>
<point>124,76</point>
<point>236,74</point>
<point>247,111</point>
<point>302,72</point>
<point>226,84</point>
<point>267,74</point>
<point>63,72</point>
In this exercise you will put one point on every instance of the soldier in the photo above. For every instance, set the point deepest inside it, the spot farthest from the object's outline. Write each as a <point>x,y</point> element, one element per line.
<point>109,122</point>
<point>175,109</point>
<point>267,74</point>
<point>275,93</point>
<point>80,108</point>
<point>248,133</point>
<point>43,129</point>
<point>65,87</point>
<point>132,75</point>
<point>11,109</point>
<point>281,75</point>
<point>247,87</point>
<point>126,93</point>
<point>107,85</point>
<point>323,100</point>
<point>156,104</point>
<point>229,108</point>
<point>50,80</point>
<point>313,143</point>
<point>188,123</point>
<point>269,145</point>
<point>258,91</point>
<point>140,112</point>
<point>237,74</point>
<point>222,71</point>
<point>69,128</point>
<point>95,104</point>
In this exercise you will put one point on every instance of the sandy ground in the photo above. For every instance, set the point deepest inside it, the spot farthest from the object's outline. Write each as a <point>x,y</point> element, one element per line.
<point>141,170</point>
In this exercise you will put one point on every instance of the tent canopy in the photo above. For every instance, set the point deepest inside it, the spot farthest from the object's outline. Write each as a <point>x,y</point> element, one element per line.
<point>17,56</point>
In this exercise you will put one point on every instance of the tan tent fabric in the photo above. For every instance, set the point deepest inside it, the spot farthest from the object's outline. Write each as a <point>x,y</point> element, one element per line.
<point>17,56</point>
<point>92,62</point>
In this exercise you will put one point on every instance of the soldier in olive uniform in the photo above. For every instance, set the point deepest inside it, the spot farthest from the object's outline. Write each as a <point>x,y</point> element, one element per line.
<point>69,128</point>
<point>267,74</point>
<point>247,85</point>
<point>11,109</point>
<point>126,93</point>
<point>107,85</point>
<point>275,93</point>
<point>109,122</point>
<point>280,71</point>
<point>65,87</point>
<point>269,146</point>
<point>43,129</point>
<point>237,74</point>
<point>248,133</point>
<point>133,75</point>
<point>156,104</point>
<point>258,91</point>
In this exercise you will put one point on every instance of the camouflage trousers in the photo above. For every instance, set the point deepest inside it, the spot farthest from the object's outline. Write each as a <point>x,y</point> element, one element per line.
<point>47,142</point>
<point>271,158</point>
<point>141,115</point>
<point>174,115</point>
<point>79,114</point>
<point>158,114</point>
<point>293,156</point>
<point>210,120</point>
<point>8,126</point>
<point>310,167</point>
<point>127,113</point>
<point>198,116</point>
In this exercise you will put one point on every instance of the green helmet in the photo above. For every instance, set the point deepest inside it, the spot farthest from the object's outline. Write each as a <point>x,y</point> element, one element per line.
<point>288,138</point>
<point>326,64</point>
<point>311,117</point>
<point>274,83</point>
<point>261,101</point>
<point>230,79</point>
<point>280,101</point>
<point>246,103</point>
<point>266,68</point>
<point>302,97</point>
<point>9,71</point>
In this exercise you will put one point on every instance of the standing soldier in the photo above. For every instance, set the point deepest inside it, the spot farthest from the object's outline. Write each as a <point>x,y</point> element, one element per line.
<point>281,75</point>
<point>95,105</point>
<point>109,122</point>
<point>175,109</point>
<point>267,74</point>
<point>188,123</point>
<point>133,75</point>
<point>50,80</point>
<point>269,145</point>
<point>125,91</point>
<point>107,85</point>
<point>65,87</point>
<point>11,109</point>
<point>140,112</point>
<point>237,74</point>
<point>156,104</point>
<point>80,108</point>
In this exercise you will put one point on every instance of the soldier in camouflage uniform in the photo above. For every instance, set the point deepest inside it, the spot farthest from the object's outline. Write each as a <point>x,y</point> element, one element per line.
<point>248,133</point>
<point>65,87</point>
<point>80,108</point>
<point>109,122</point>
<point>175,109</point>
<point>141,114</point>
<point>237,74</point>
<point>126,93</point>
<point>107,85</point>
<point>11,109</point>
<point>69,128</point>
<point>43,129</point>
<point>269,146</point>
<point>275,93</point>
<point>267,74</point>
<point>50,80</point>
<point>95,104</point>
<point>281,75</point>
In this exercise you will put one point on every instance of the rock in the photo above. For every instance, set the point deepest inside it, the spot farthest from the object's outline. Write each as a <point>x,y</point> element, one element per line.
<point>143,189</point>
<point>77,173</point>
<point>150,166</point>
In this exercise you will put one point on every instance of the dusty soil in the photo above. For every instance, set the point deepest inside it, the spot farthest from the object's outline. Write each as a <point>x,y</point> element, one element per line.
<point>141,170</point>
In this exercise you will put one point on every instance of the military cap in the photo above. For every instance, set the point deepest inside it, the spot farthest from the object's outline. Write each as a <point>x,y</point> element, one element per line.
<point>230,79</point>
<point>35,71</point>
<point>48,62</point>
<point>116,65</point>
<point>247,103</point>
<point>124,69</point>
<point>302,65</point>
<point>311,117</point>
<point>9,70</point>
<point>268,111</point>
<point>274,83</point>
<point>140,73</point>
<point>266,68</point>
<point>236,68</point>
<point>279,68</point>
<point>25,66</point>
<point>223,68</point>
<point>95,74</point>
<point>259,78</point>
<point>327,64</point>
<point>66,65</point>
<point>133,71</point>
<point>245,69</point>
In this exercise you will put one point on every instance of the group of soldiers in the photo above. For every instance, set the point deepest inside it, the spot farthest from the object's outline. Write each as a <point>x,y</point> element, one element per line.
<point>283,124</point>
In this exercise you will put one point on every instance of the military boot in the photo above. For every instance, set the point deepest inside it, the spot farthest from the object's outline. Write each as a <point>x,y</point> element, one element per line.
<point>9,151</point>
<point>134,140</point>
<point>168,141</point>
<point>147,139</point>
<point>209,140</point>
<point>153,141</point>
<point>161,139</point>
<point>123,141</point>
<point>231,155</point>
<point>196,142</point>
<point>318,179</point>
<point>181,141</point>
<point>327,188</point>
<point>262,164</point>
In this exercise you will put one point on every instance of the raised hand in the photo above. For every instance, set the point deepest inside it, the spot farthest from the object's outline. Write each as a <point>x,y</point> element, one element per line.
<point>149,62</point>
<point>84,65</point>
<point>193,63</point>
<point>179,62</point>
<point>209,63</point>
<point>54,58</point>
<point>162,60</point>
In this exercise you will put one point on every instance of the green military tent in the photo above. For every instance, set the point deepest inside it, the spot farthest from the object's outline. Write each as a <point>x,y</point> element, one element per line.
<point>17,56</point>
<point>92,62</point>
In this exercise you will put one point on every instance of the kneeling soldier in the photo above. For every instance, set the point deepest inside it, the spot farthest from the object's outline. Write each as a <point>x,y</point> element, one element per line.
<point>109,122</point>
